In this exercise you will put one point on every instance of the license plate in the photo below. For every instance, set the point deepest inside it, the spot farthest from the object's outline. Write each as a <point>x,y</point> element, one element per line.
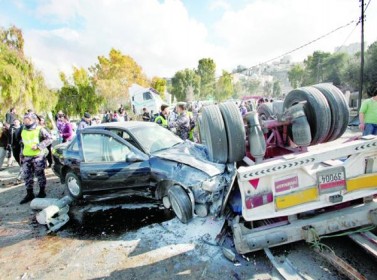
<point>331,180</point>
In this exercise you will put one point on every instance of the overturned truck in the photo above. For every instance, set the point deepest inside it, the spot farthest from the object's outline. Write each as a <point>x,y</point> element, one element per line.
<point>289,186</point>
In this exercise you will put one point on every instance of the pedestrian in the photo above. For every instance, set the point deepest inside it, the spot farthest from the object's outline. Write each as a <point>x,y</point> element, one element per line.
<point>125,116</point>
<point>368,114</point>
<point>67,132</point>
<point>85,121</point>
<point>35,140</point>
<point>115,117</point>
<point>16,140</point>
<point>49,157</point>
<point>4,142</point>
<point>182,124</point>
<point>10,116</point>
<point>243,109</point>
<point>146,116</point>
<point>121,109</point>
<point>59,124</point>
<point>162,118</point>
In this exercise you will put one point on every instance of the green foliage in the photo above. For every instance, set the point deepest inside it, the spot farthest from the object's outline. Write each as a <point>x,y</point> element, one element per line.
<point>207,73</point>
<point>80,97</point>
<point>371,68</point>
<point>159,84</point>
<point>276,89</point>
<point>245,87</point>
<point>296,75</point>
<point>351,73</point>
<point>113,75</point>
<point>21,86</point>
<point>224,86</point>
<point>184,84</point>
<point>320,67</point>
<point>13,38</point>
<point>267,88</point>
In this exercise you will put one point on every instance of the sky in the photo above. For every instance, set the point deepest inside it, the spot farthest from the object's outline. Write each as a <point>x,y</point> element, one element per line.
<point>165,36</point>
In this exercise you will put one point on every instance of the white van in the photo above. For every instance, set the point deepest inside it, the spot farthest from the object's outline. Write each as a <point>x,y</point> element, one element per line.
<point>142,97</point>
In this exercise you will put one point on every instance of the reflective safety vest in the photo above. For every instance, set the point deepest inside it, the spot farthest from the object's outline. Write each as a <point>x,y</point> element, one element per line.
<point>29,139</point>
<point>164,122</point>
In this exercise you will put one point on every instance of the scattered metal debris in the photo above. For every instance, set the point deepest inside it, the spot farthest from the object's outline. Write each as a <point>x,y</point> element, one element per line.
<point>55,212</point>
<point>284,266</point>
<point>341,265</point>
<point>367,240</point>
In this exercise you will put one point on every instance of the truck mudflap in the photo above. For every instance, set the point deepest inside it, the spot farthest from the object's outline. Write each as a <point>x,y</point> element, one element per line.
<point>247,240</point>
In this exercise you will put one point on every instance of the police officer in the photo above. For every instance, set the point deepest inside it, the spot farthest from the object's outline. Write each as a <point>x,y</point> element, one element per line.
<point>182,124</point>
<point>162,118</point>
<point>35,140</point>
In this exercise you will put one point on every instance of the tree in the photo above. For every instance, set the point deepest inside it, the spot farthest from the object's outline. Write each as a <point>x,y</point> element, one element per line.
<point>333,67</point>
<point>267,88</point>
<point>370,72</point>
<point>13,38</point>
<point>351,73</point>
<point>21,86</point>
<point>184,82</point>
<point>276,89</point>
<point>159,84</point>
<point>224,86</point>
<point>314,68</point>
<point>296,75</point>
<point>113,75</point>
<point>80,96</point>
<point>207,71</point>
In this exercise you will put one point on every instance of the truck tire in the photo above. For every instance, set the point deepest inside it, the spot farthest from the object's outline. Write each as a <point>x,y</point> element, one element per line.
<point>316,109</point>
<point>265,111</point>
<point>277,107</point>
<point>235,131</point>
<point>213,135</point>
<point>338,107</point>
<point>181,203</point>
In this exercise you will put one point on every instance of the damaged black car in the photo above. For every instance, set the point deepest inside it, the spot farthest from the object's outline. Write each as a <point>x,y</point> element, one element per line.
<point>143,159</point>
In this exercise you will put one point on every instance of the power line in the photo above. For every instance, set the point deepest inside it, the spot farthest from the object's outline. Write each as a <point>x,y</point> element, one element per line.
<point>349,35</point>
<point>302,46</point>
<point>366,7</point>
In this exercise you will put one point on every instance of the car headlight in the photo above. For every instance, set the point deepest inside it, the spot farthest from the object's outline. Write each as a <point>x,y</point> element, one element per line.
<point>213,184</point>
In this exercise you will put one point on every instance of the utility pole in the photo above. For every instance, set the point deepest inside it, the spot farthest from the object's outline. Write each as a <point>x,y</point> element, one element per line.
<point>361,56</point>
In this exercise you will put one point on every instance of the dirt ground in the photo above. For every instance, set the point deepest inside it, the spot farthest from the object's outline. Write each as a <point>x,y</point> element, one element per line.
<point>122,240</point>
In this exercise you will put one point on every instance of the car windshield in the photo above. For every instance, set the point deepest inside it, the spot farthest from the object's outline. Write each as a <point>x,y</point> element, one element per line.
<point>155,138</point>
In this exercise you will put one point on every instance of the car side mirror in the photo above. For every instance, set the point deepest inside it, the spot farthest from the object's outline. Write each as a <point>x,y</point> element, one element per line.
<point>132,157</point>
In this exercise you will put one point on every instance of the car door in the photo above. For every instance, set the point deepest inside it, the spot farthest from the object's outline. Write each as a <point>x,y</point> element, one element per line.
<point>110,163</point>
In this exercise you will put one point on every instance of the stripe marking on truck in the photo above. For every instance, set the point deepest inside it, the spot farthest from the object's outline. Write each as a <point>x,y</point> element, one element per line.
<point>362,182</point>
<point>296,198</point>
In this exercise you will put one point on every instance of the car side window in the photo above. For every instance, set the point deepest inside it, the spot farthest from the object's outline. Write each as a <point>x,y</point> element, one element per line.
<point>115,151</point>
<point>74,145</point>
<point>103,148</point>
<point>92,146</point>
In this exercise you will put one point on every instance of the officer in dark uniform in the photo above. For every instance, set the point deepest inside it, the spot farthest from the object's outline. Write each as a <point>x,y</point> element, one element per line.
<point>35,140</point>
<point>182,124</point>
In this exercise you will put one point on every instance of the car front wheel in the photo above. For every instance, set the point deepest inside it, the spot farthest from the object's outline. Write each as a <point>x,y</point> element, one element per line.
<point>73,185</point>
<point>181,203</point>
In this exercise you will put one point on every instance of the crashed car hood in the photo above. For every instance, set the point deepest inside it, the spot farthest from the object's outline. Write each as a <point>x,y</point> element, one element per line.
<point>193,155</point>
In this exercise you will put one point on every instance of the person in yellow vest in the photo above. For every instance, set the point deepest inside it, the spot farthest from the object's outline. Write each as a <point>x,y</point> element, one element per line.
<point>162,118</point>
<point>35,140</point>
